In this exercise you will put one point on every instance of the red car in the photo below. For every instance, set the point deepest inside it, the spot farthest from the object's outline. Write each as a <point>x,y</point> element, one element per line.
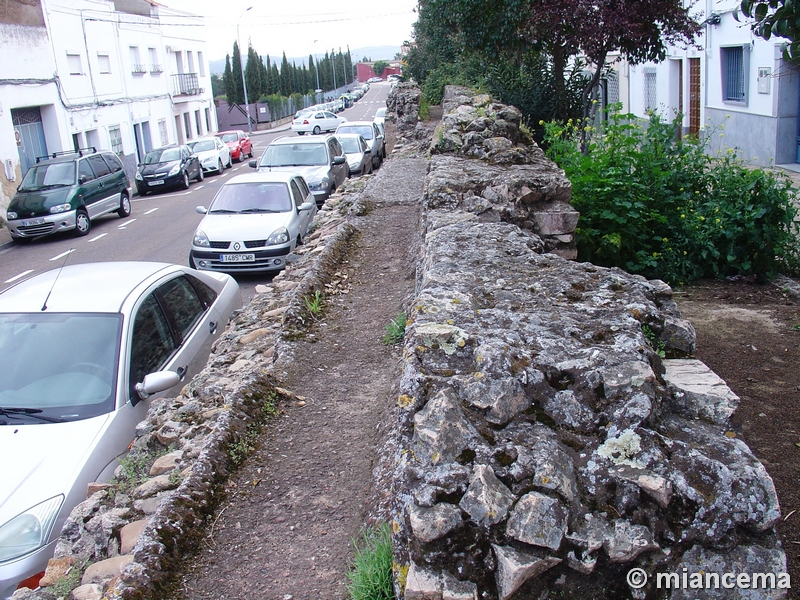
<point>238,143</point>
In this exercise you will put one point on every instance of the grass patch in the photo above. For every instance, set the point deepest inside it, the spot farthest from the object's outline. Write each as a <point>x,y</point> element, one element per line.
<point>370,577</point>
<point>424,110</point>
<point>396,330</point>
<point>244,446</point>
<point>315,304</point>
<point>63,587</point>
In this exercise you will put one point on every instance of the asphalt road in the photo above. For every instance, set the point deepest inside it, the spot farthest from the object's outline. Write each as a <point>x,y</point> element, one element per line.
<point>160,227</point>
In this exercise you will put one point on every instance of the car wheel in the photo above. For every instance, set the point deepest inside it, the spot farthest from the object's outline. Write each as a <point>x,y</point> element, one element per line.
<point>316,130</point>
<point>82,222</point>
<point>251,153</point>
<point>230,162</point>
<point>200,175</point>
<point>220,166</point>
<point>124,209</point>
<point>300,132</point>
<point>185,181</point>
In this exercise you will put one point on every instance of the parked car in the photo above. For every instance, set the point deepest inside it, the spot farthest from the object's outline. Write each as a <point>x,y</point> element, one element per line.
<point>374,80</point>
<point>171,166</point>
<point>212,154</point>
<point>357,153</point>
<point>316,122</point>
<point>319,160</point>
<point>380,116</point>
<point>371,133</point>
<point>238,143</point>
<point>66,191</point>
<point>254,221</point>
<point>84,349</point>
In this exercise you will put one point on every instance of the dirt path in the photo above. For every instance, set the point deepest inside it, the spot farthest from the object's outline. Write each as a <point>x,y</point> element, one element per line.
<point>285,530</point>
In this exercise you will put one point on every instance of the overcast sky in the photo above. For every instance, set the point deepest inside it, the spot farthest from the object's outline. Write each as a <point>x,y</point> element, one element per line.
<point>275,27</point>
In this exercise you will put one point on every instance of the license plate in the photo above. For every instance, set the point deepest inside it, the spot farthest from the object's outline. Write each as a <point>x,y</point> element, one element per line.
<point>33,222</point>
<point>156,182</point>
<point>232,258</point>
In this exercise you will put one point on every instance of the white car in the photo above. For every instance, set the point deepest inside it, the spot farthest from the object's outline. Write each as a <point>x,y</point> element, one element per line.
<point>317,122</point>
<point>253,223</point>
<point>213,154</point>
<point>357,153</point>
<point>380,117</point>
<point>83,348</point>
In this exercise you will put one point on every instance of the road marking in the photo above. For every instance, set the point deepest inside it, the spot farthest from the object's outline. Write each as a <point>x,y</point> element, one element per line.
<point>125,224</point>
<point>200,187</point>
<point>13,279</point>
<point>63,254</point>
<point>152,210</point>
<point>94,239</point>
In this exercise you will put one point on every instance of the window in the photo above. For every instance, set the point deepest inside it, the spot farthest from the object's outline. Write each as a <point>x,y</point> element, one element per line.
<point>152,343</point>
<point>113,162</point>
<point>298,195</point>
<point>198,122</point>
<point>190,61</point>
<point>115,136</point>
<point>735,63</point>
<point>650,100</point>
<point>208,120</point>
<point>200,66</point>
<point>103,63</point>
<point>85,172</point>
<point>74,64</point>
<point>162,131</point>
<point>99,166</point>
<point>155,64</point>
<point>182,304</point>
<point>137,68</point>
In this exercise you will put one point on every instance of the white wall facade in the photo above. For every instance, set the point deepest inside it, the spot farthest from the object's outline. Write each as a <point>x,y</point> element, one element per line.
<point>121,75</point>
<point>761,122</point>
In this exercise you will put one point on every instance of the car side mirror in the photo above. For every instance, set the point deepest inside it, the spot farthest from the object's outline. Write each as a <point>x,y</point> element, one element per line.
<point>82,179</point>
<point>306,206</point>
<point>252,164</point>
<point>339,160</point>
<point>202,210</point>
<point>154,383</point>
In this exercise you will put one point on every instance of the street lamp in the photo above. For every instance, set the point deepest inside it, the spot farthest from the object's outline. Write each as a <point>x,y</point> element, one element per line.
<point>241,65</point>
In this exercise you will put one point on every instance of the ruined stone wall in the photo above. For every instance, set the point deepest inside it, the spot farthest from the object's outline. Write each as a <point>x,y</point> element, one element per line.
<point>554,431</point>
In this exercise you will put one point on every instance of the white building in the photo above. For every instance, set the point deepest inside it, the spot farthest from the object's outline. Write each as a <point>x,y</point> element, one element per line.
<point>733,79</point>
<point>121,75</point>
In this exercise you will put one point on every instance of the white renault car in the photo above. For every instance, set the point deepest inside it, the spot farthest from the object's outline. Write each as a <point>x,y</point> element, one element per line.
<point>253,223</point>
<point>82,349</point>
<point>213,154</point>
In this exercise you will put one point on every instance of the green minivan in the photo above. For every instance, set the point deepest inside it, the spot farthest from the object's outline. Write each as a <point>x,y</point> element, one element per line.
<point>67,190</point>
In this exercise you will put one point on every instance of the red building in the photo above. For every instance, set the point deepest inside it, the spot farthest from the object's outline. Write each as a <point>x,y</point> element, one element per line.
<point>364,71</point>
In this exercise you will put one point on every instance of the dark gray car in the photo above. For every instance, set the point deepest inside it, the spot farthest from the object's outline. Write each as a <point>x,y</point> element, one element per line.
<point>319,159</point>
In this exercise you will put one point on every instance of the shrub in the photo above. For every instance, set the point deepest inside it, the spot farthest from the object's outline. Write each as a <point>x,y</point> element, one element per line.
<point>370,577</point>
<point>658,204</point>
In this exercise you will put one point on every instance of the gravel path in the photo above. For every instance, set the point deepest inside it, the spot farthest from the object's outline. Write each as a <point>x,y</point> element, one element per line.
<point>286,528</point>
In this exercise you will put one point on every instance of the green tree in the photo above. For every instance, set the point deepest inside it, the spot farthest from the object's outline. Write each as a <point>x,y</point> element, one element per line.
<point>286,77</point>
<point>217,85</point>
<point>378,66</point>
<point>312,72</point>
<point>236,93</point>
<point>252,74</point>
<point>776,17</point>
<point>227,79</point>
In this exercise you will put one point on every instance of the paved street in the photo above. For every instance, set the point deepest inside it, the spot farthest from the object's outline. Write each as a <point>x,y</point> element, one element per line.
<point>160,227</point>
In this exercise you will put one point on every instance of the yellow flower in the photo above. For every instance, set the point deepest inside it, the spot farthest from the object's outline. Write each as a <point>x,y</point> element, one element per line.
<point>683,216</point>
<point>665,240</point>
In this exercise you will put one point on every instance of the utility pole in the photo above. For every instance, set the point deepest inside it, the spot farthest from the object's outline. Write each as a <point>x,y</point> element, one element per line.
<point>241,64</point>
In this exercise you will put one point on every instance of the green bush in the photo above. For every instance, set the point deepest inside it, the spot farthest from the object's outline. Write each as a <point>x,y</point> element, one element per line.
<point>658,204</point>
<point>370,576</point>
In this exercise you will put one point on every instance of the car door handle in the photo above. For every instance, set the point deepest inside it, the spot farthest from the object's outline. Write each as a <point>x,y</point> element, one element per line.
<point>212,327</point>
<point>181,371</point>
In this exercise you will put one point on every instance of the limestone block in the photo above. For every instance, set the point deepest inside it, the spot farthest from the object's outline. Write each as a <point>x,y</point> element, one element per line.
<point>90,591</point>
<point>590,533</point>
<point>503,399</point>
<point>655,486</point>
<point>253,336</point>
<point>166,463</point>
<point>153,486</point>
<point>441,430</point>
<point>453,589</point>
<point>554,218</point>
<point>422,584</point>
<point>698,391</point>
<point>170,433</point>
<point>129,535</point>
<point>429,524</point>
<point>487,500</point>
<point>514,568</point>
<point>56,569</point>
<point>584,565</point>
<point>538,520</point>
<point>106,569</point>
<point>678,335</point>
<point>626,541</point>
<point>96,486</point>
<point>567,410</point>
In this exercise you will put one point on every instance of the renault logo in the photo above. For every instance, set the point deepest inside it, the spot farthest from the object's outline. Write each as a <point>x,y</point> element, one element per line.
<point>237,246</point>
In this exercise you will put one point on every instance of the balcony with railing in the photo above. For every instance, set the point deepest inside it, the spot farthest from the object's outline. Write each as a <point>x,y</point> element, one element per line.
<point>186,84</point>
<point>137,69</point>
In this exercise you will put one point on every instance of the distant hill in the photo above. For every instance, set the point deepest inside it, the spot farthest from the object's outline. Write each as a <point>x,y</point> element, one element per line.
<point>371,52</point>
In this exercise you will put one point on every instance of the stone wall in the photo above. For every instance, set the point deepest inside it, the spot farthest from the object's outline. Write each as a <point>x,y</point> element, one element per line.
<point>554,431</point>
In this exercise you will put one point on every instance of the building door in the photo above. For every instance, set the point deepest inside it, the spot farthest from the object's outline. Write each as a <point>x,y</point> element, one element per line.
<point>140,147</point>
<point>694,96</point>
<point>29,132</point>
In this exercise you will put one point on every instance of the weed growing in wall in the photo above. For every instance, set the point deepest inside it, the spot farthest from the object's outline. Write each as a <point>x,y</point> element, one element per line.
<point>370,576</point>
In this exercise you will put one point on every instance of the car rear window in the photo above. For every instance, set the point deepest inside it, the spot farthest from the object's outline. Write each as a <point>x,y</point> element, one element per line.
<point>364,130</point>
<point>295,155</point>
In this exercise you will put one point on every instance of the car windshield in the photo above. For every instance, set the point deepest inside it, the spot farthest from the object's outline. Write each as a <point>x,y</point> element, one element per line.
<point>203,145</point>
<point>161,156</point>
<point>381,112</point>
<point>52,175</point>
<point>294,155</point>
<point>364,130</point>
<point>57,367</point>
<point>229,137</point>
<point>252,197</point>
<point>350,145</point>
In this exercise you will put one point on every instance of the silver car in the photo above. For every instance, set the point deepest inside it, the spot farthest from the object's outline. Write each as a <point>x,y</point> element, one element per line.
<point>371,133</point>
<point>83,348</point>
<point>357,152</point>
<point>253,223</point>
